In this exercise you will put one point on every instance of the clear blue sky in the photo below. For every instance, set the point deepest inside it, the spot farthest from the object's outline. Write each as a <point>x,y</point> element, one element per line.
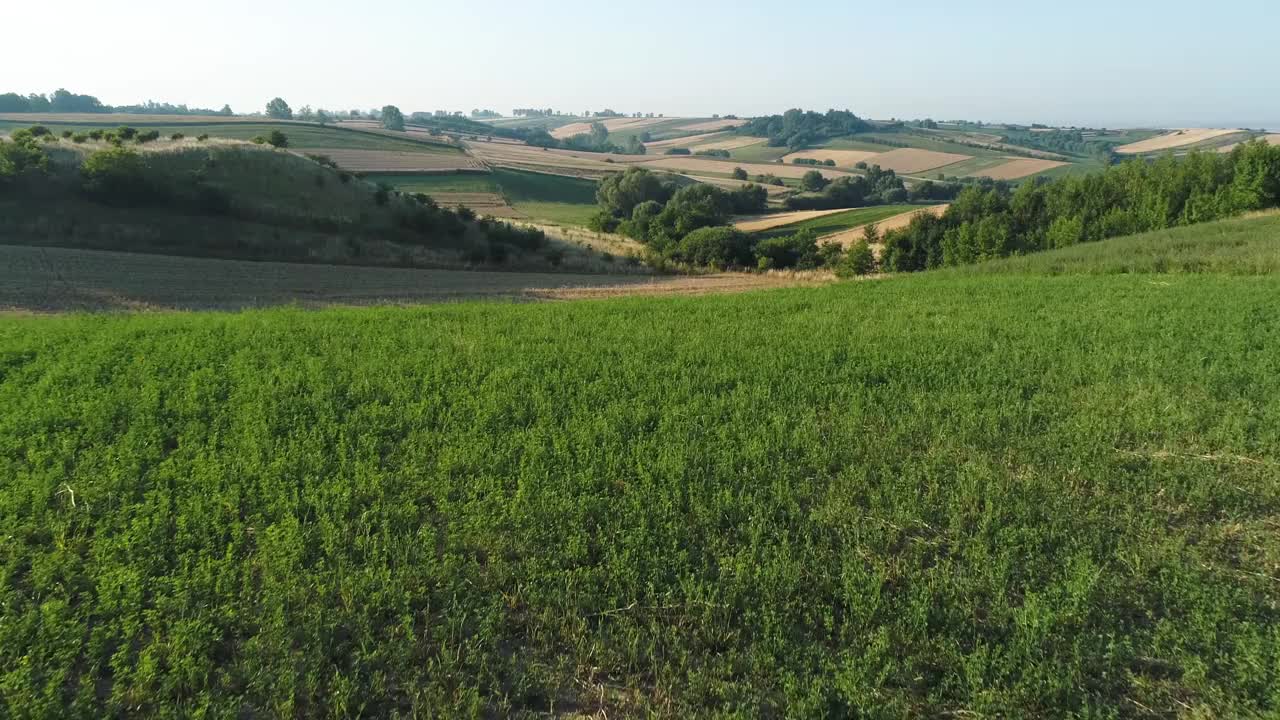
<point>1120,62</point>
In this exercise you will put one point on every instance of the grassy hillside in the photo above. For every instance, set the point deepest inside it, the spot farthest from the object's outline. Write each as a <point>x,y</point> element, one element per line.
<point>550,198</point>
<point>932,496</point>
<point>1243,246</point>
<point>236,200</point>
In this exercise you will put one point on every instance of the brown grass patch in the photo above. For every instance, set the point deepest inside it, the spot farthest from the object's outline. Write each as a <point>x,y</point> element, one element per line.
<point>914,160</point>
<point>1173,139</point>
<point>1018,168</point>
<point>842,158</point>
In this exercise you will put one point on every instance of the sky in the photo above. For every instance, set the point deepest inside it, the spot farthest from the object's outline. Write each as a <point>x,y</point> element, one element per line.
<point>1118,63</point>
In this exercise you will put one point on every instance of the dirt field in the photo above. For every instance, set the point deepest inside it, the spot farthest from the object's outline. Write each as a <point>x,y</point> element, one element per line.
<point>768,222</point>
<point>1018,168</point>
<point>1173,139</point>
<point>686,163</point>
<point>393,161</point>
<point>1269,139</point>
<point>56,279</point>
<point>504,154</point>
<point>612,124</point>
<point>658,146</point>
<point>913,160</point>
<point>852,235</point>
<point>712,125</point>
<point>842,158</point>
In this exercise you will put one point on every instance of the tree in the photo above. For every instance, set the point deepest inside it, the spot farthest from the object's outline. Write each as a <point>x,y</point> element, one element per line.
<point>226,110</point>
<point>859,261</point>
<point>813,181</point>
<point>392,118</point>
<point>277,139</point>
<point>739,174</point>
<point>714,246</point>
<point>599,134</point>
<point>620,193</point>
<point>279,109</point>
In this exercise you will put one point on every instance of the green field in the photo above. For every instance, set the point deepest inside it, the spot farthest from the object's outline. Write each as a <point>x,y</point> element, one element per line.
<point>547,198</point>
<point>838,222</point>
<point>301,137</point>
<point>1011,495</point>
<point>428,184</point>
<point>758,153</point>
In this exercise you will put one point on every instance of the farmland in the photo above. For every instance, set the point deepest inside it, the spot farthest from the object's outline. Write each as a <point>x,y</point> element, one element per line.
<point>1017,494</point>
<point>1175,139</point>
<point>833,224</point>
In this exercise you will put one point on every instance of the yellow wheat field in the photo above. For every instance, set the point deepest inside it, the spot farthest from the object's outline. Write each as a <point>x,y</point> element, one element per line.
<point>913,160</point>
<point>842,158</point>
<point>1019,168</point>
<point>768,222</point>
<point>1173,139</point>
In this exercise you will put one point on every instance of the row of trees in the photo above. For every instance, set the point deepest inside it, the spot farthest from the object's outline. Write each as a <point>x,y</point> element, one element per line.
<point>797,129</point>
<point>65,101</point>
<point>1138,196</point>
<point>689,224</point>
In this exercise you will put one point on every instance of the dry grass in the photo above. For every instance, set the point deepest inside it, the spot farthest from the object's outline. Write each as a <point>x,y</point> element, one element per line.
<point>489,204</point>
<point>687,141</point>
<point>125,118</point>
<point>759,223</point>
<point>914,160</point>
<point>842,158</point>
<point>1018,168</point>
<point>395,161</point>
<point>1173,139</point>
<point>58,280</point>
<point>1268,139</point>
<point>897,222</point>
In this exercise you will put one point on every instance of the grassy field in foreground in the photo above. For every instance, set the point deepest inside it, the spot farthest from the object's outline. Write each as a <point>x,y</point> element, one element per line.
<point>1003,496</point>
<point>839,222</point>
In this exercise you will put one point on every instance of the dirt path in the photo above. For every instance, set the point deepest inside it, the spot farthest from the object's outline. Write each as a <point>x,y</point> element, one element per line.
<point>36,279</point>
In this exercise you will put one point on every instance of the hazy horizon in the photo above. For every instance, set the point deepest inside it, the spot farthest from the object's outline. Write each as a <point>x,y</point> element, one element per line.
<point>1144,64</point>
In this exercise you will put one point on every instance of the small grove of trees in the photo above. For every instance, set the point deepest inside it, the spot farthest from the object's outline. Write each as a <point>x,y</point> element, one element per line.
<point>797,129</point>
<point>1138,196</point>
<point>392,118</point>
<point>279,109</point>
<point>65,101</point>
<point>876,187</point>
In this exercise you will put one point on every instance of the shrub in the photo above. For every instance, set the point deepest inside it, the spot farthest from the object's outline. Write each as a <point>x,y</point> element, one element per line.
<point>799,250</point>
<point>603,221</point>
<point>148,136</point>
<point>202,137</point>
<point>79,138</point>
<point>466,213</point>
<point>813,181</point>
<point>679,151</point>
<point>118,176</point>
<point>324,160</point>
<point>96,134</point>
<point>20,156</point>
<point>382,194</point>
<point>67,133</point>
<point>124,132</point>
<point>720,247</point>
<point>38,131</point>
<point>277,139</point>
<point>177,136</point>
<point>860,260</point>
<point>739,174</point>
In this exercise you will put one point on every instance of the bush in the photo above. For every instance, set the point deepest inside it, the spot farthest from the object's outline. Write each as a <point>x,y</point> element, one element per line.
<point>465,213</point>
<point>20,156</point>
<point>813,181</point>
<point>277,139</point>
<point>118,176</point>
<point>37,131</point>
<point>721,247</point>
<point>177,136</point>
<point>603,221</point>
<point>679,151</point>
<point>859,261</point>
<point>96,134</point>
<point>124,132</point>
<point>67,133</point>
<point>79,138</point>
<point>382,194</point>
<point>148,136</point>
<point>799,250</point>
<point>202,137</point>
<point>739,174</point>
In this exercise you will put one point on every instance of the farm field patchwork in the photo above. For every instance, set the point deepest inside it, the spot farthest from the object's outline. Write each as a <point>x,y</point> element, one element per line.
<point>913,160</point>
<point>1017,495</point>
<point>383,161</point>
<point>1173,139</point>
<point>707,125</point>
<point>699,165</point>
<point>894,222</point>
<point>836,226</point>
<point>1018,168</point>
<point>842,158</point>
<point>758,223</point>
<point>1273,139</point>
<point>613,125</point>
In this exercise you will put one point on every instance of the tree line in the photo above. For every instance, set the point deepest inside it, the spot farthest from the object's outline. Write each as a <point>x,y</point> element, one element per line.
<point>65,101</point>
<point>993,221</point>
<point>797,129</point>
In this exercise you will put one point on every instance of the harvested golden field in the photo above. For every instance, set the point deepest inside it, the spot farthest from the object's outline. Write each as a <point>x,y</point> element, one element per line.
<point>914,160</point>
<point>395,161</point>
<point>709,125</point>
<point>488,204</point>
<point>686,163</point>
<point>1018,168</point>
<point>1268,139</point>
<point>611,124</point>
<point>758,223</point>
<point>730,143</point>
<point>1173,139</point>
<point>842,158</point>
<point>686,141</point>
<point>897,222</point>
<point>58,279</point>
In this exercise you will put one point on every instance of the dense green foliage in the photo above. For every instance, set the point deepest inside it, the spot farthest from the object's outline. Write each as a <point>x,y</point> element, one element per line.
<point>875,187</point>
<point>64,101</point>
<point>797,128</point>
<point>279,109</point>
<point>923,497</point>
<point>1137,196</point>
<point>392,118</point>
